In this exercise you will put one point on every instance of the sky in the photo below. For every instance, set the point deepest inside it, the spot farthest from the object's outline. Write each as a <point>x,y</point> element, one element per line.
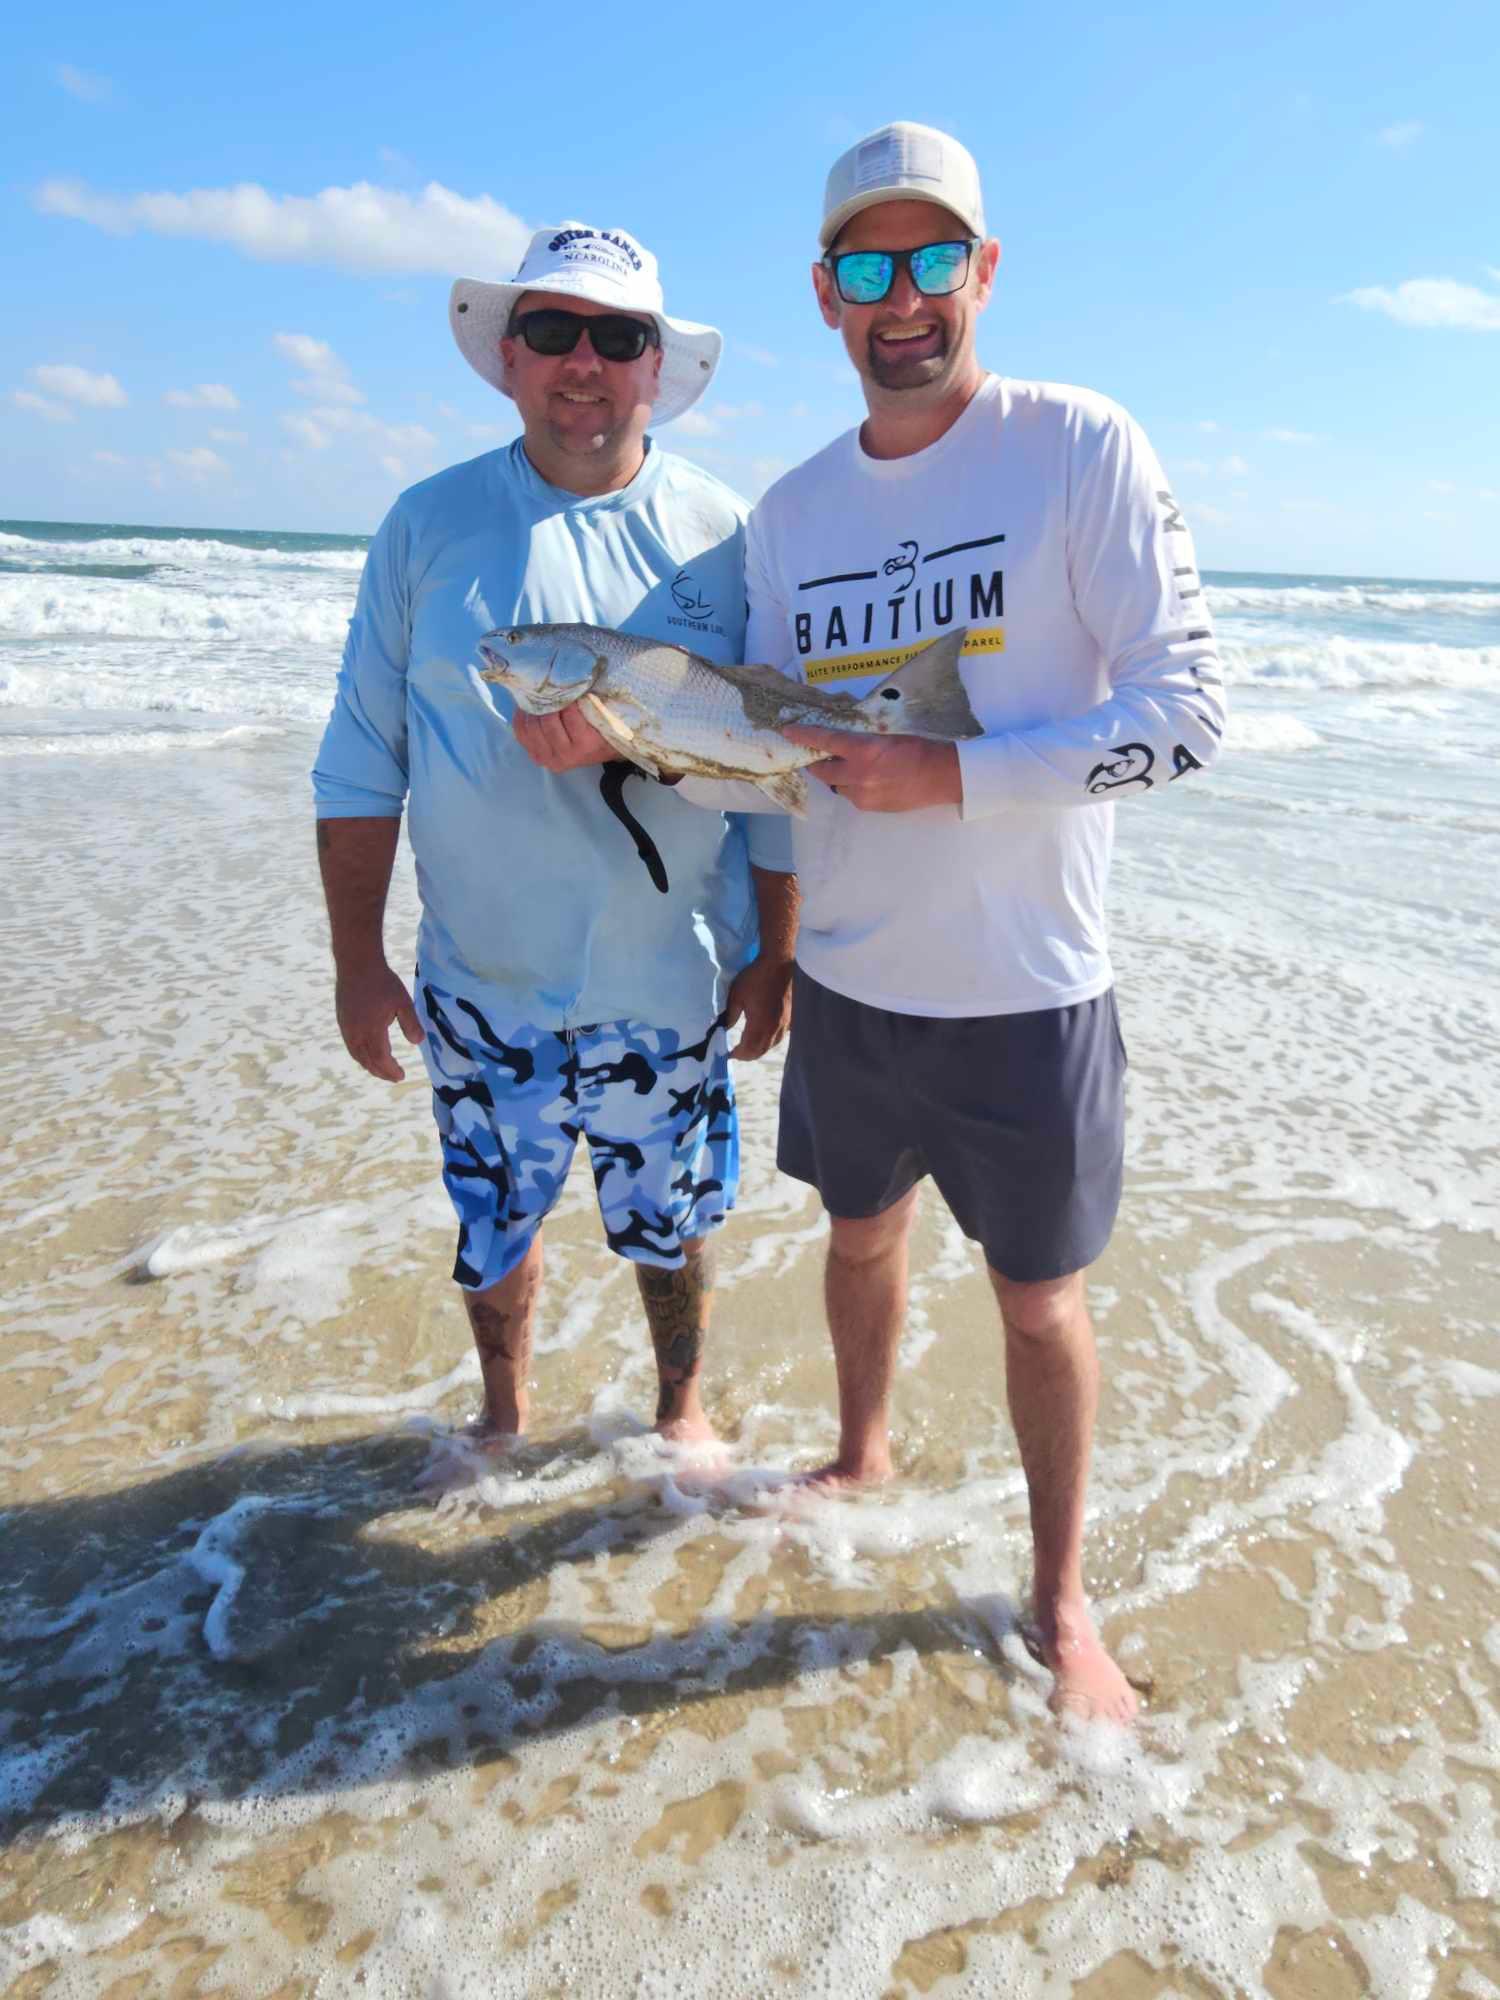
<point>1273,234</point>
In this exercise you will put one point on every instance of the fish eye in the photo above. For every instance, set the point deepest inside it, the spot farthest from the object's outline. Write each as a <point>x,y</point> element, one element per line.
<point>512,638</point>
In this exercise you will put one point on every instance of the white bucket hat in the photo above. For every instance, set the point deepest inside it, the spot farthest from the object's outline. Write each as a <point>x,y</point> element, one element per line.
<point>610,268</point>
<point>915,161</point>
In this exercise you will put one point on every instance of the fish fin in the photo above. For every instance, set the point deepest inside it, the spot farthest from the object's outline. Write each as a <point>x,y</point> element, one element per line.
<point>926,697</point>
<point>788,789</point>
<point>618,734</point>
<point>763,677</point>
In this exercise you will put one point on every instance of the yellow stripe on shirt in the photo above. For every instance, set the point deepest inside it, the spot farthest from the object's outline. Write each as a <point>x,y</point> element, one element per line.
<point>853,666</point>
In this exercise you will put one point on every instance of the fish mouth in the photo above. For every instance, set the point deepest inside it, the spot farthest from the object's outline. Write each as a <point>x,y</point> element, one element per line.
<point>496,666</point>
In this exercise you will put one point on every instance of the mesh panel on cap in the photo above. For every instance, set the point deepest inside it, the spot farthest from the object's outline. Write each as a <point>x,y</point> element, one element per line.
<point>897,156</point>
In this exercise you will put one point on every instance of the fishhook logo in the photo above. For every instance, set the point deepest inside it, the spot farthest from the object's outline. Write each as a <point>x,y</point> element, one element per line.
<point>903,562</point>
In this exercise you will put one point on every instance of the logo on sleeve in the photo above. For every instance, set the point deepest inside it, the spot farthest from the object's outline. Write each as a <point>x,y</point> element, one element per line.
<point>1129,765</point>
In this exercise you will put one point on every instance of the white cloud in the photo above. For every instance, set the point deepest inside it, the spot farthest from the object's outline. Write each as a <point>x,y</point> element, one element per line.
<point>207,396</point>
<point>229,437</point>
<point>1234,467</point>
<point>1441,486</point>
<point>402,445</point>
<point>199,463</point>
<point>111,458</point>
<point>1211,517</point>
<point>306,431</point>
<point>1431,302</point>
<point>1280,436</point>
<point>1401,135</point>
<point>361,228</point>
<point>41,406</point>
<point>80,83</point>
<point>401,448</point>
<point>1194,468</point>
<point>761,356</point>
<point>77,385</point>
<point>490,433</point>
<point>325,374</point>
<point>696,423</point>
<point>1207,424</point>
<point>1487,493</point>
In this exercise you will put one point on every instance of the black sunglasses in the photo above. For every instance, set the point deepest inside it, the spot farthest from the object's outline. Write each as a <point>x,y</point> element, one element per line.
<point>613,337</point>
<point>865,277</point>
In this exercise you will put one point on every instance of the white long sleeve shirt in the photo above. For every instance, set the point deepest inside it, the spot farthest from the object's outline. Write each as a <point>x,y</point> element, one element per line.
<point>1042,521</point>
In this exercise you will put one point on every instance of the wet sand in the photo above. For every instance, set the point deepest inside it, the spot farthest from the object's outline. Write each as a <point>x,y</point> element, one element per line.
<point>302,1695</point>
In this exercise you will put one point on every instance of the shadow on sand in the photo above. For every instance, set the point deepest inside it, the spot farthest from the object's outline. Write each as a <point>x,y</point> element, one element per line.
<point>232,1631</point>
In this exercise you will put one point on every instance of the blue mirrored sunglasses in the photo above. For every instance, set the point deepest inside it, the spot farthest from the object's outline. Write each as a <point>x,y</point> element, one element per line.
<point>865,277</point>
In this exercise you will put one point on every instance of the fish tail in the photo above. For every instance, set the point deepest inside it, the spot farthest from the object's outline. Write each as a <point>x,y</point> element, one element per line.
<point>926,697</point>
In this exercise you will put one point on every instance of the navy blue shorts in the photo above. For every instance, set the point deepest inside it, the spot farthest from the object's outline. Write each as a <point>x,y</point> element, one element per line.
<point>1019,1118</point>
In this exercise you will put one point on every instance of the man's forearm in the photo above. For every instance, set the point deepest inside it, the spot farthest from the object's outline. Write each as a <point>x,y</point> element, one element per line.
<point>356,857</point>
<point>778,902</point>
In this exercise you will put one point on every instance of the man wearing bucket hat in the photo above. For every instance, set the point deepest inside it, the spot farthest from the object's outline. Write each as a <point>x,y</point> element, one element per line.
<point>563,989</point>
<point>954,1009</point>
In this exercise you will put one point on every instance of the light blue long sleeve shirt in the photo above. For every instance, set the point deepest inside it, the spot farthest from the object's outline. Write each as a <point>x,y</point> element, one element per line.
<point>535,904</point>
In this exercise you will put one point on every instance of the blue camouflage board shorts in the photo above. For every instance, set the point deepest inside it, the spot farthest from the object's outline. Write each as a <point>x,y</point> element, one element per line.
<point>512,1101</point>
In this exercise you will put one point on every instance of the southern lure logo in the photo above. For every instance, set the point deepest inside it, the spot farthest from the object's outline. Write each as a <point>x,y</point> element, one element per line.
<point>572,240</point>
<point>689,598</point>
<point>697,612</point>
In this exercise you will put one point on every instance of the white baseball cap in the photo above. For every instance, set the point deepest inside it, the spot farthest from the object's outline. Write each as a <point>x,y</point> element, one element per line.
<point>902,161</point>
<point>607,266</point>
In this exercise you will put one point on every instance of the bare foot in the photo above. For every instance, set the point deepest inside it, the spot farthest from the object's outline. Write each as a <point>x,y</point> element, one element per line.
<point>691,1427</point>
<point>1086,1683</point>
<point>491,1436</point>
<point>457,1459</point>
<point>846,1475</point>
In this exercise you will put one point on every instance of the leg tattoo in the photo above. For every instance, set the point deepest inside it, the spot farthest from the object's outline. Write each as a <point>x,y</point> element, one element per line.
<point>677,1307</point>
<point>501,1320</point>
<point>499,1335</point>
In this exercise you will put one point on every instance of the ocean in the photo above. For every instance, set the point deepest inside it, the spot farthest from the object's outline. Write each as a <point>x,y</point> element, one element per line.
<point>300,1695</point>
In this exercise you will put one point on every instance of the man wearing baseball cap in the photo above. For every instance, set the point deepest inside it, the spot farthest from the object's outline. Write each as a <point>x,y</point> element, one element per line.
<point>954,1011</point>
<point>582,948</point>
